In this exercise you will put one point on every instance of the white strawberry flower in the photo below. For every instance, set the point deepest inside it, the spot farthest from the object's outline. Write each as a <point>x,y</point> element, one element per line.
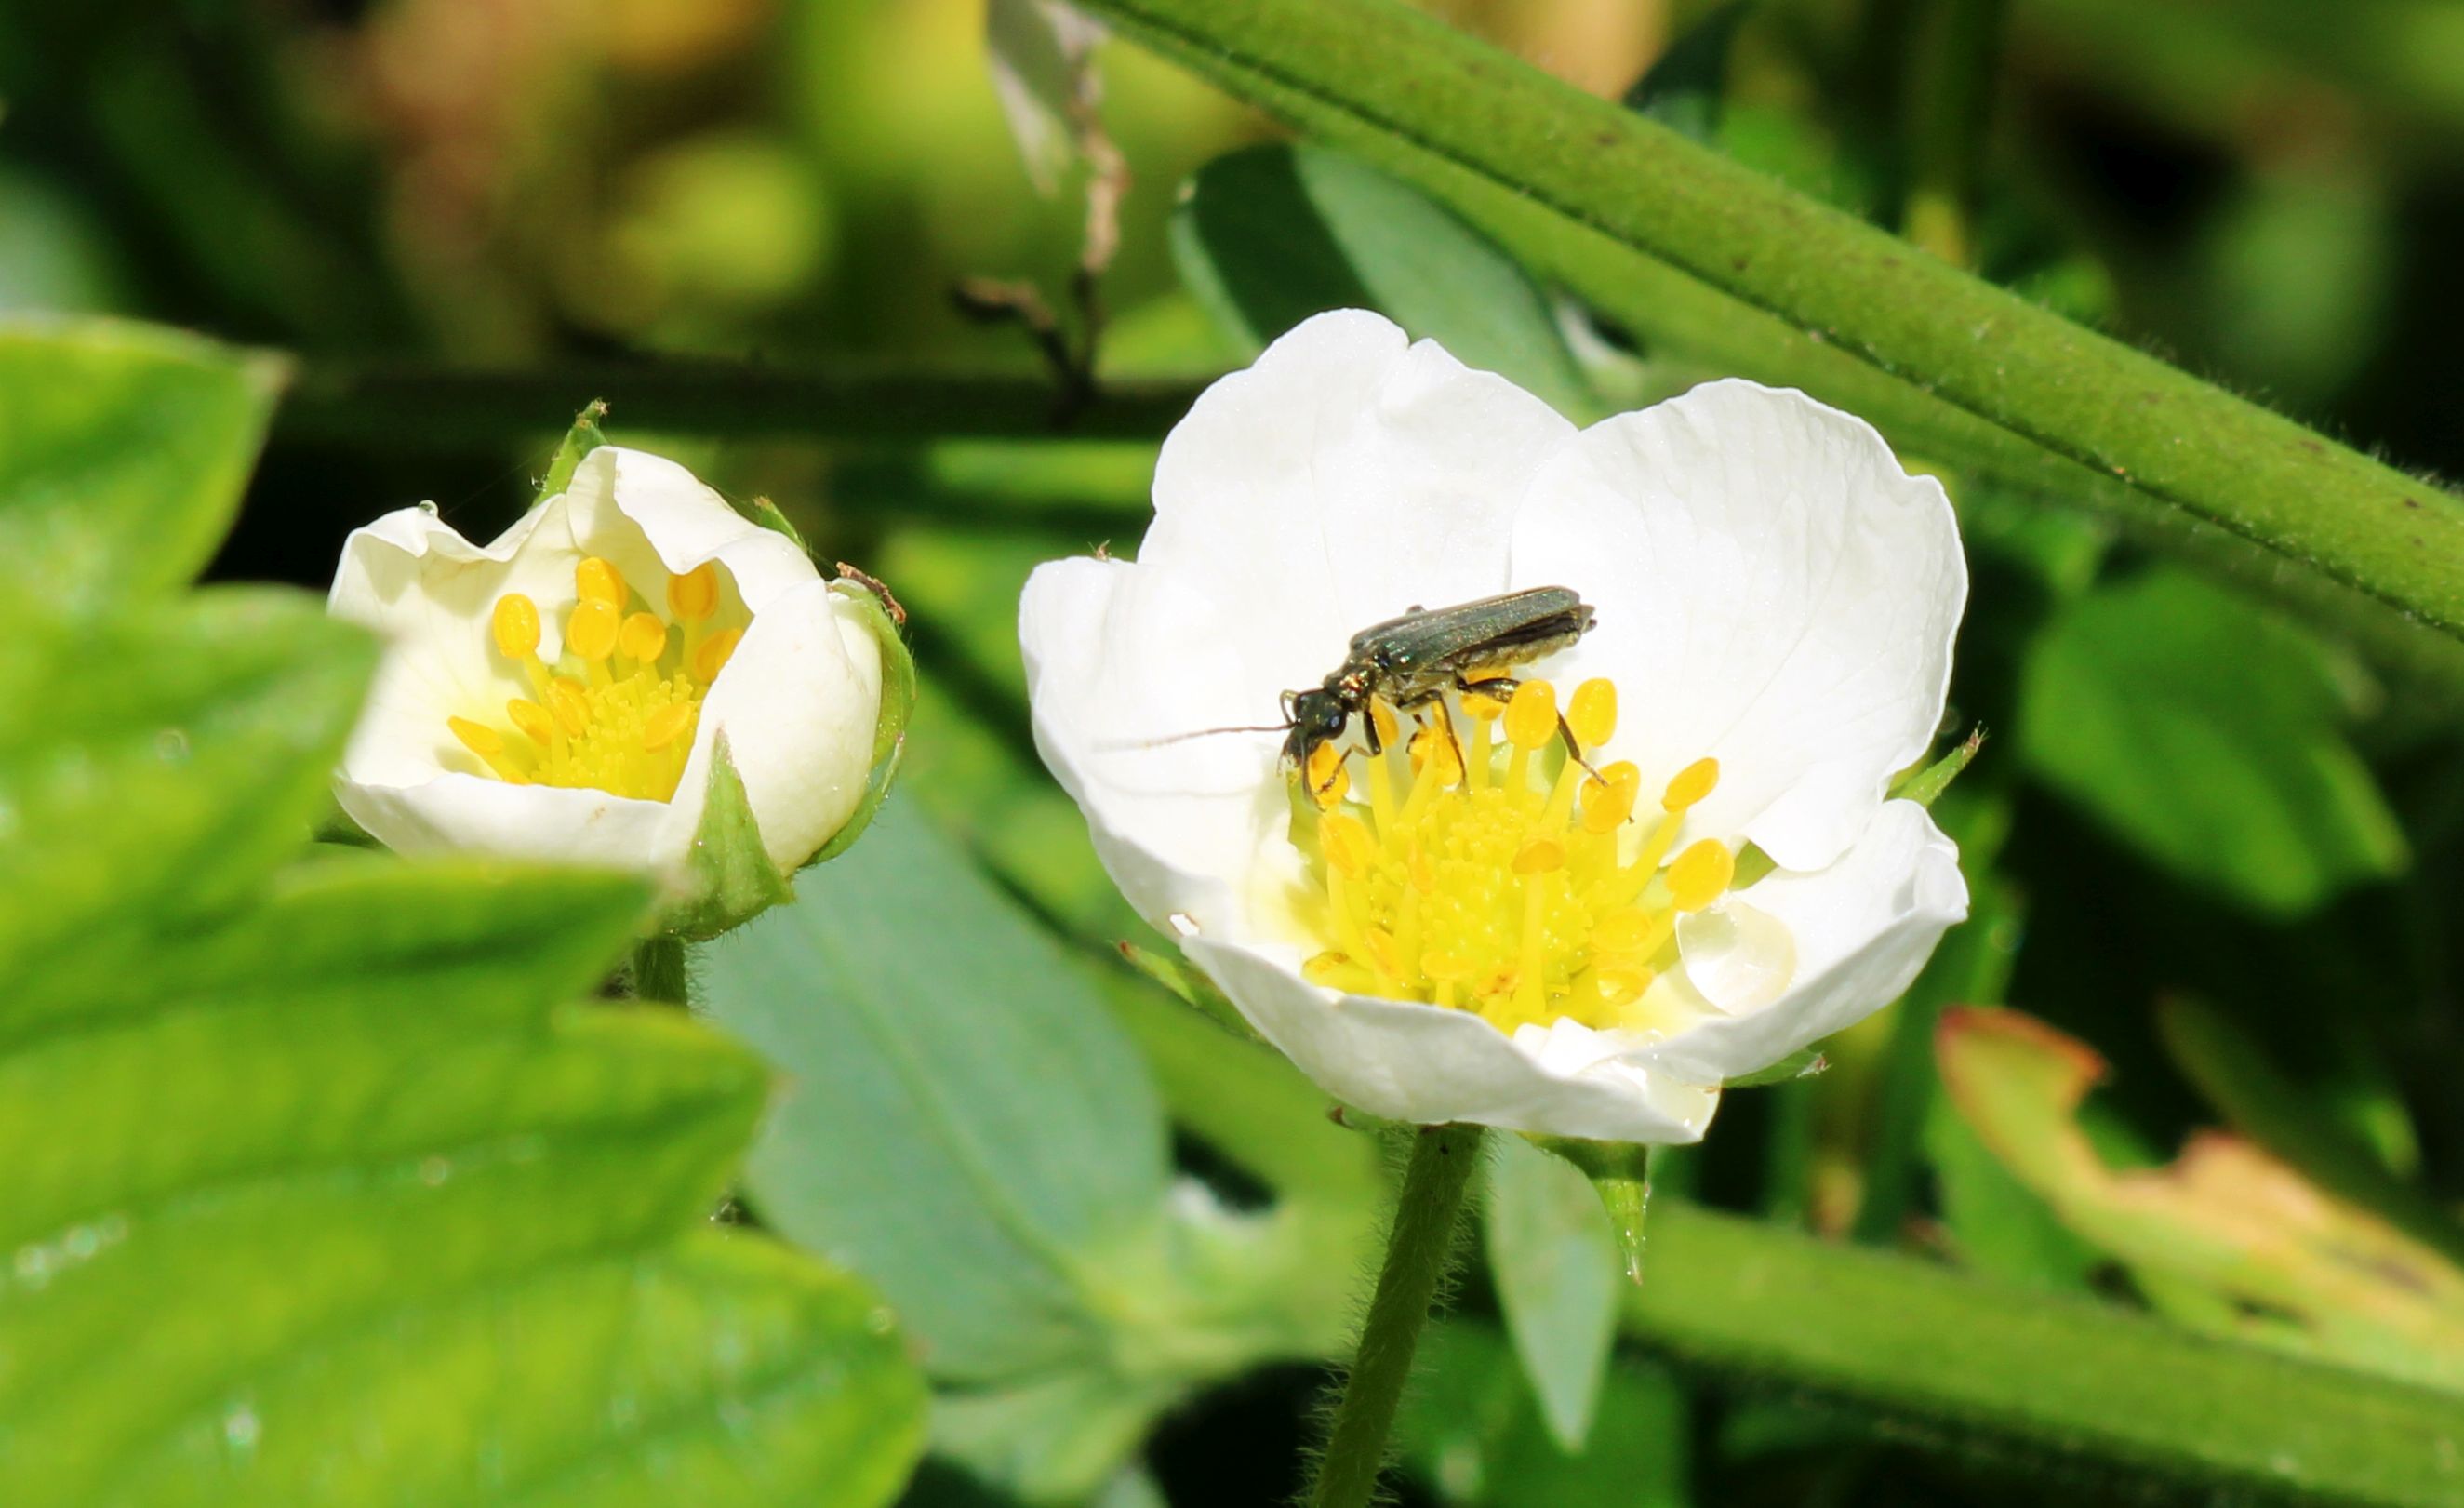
<point>1472,928</point>
<point>563,694</point>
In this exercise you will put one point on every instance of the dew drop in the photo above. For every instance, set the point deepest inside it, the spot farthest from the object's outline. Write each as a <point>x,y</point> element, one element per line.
<point>880,1322</point>
<point>171,745</point>
<point>241,1428</point>
<point>433,1172</point>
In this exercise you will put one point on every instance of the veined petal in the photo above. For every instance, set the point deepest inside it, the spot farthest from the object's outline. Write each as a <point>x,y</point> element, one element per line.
<point>1790,592</point>
<point>1859,931</point>
<point>1346,477</point>
<point>1117,659</point>
<point>1429,1065</point>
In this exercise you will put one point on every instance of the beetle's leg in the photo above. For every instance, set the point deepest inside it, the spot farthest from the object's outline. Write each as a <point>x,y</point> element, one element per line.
<point>1368,726</point>
<point>1499,689</point>
<point>1446,722</point>
<point>1574,751</point>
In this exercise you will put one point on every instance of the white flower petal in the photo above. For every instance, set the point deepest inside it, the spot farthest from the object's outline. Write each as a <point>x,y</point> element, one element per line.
<point>1117,658</point>
<point>1774,591</point>
<point>1345,477</point>
<point>799,701</point>
<point>1429,1065</point>
<point>1861,929</point>
<point>654,518</point>
<point>477,813</point>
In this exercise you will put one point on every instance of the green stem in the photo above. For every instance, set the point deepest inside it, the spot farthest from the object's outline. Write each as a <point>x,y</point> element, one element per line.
<point>1843,308</point>
<point>448,408</point>
<point>1416,1250</point>
<point>659,971</point>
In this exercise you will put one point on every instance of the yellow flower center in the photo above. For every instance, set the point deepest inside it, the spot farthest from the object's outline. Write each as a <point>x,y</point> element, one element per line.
<point>1486,875</point>
<point>617,710</point>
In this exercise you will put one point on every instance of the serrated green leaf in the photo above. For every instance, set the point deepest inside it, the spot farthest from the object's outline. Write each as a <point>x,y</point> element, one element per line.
<point>122,451</point>
<point>2207,735</point>
<point>1554,1262</point>
<point>1269,236</point>
<point>308,1191</point>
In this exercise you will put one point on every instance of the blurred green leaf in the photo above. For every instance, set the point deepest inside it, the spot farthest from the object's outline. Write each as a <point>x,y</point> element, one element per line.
<point>1555,1265</point>
<point>122,451</point>
<point>1685,86</point>
<point>969,1126</point>
<point>1269,236</point>
<point>2208,735</point>
<point>1472,1432</point>
<point>2294,1266</point>
<point>310,1194</point>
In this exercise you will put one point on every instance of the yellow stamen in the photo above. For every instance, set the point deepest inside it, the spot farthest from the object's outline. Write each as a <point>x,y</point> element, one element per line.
<point>1700,875</point>
<point>590,632</point>
<point>664,726</point>
<point>489,746</point>
<point>643,637</point>
<point>514,625</point>
<point>712,657</point>
<point>1692,784</point>
<point>533,719</point>
<point>1592,712</point>
<point>597,579</point>
<point>694,596</point>
<point>571,705</point>
<point>1463,876</point>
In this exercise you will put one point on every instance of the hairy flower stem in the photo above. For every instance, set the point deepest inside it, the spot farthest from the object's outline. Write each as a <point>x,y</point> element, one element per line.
<point>1416,1250</point>
<point>659,971</point>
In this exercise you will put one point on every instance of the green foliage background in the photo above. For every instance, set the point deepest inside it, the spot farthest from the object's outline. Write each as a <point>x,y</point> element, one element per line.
<point>325,1179</point>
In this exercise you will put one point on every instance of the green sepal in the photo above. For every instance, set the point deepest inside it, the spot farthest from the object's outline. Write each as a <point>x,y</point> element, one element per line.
<point>1620,1174</point>
<point>579,441</point>
<point>1189,985</point>
<point>732,879</point>
<point>1922,785</point>
<point>897,706</point>
<point>1803,1063</point>
<point>767,514</point>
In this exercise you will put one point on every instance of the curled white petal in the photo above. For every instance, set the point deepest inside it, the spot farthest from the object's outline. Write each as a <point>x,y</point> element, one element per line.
<point>1429,1065</point>
<point>1861,929</point>
<point>799,700</point>
<point>1787,594</point>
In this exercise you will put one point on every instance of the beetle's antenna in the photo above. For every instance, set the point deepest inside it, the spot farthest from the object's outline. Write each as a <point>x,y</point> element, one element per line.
<point>1200,733</point>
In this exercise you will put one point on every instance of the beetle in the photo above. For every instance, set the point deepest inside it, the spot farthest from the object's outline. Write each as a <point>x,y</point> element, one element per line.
<point>1413,659</point>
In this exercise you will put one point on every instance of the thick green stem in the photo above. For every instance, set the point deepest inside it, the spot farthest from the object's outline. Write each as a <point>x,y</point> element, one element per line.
<point>659,971</point>
<point>1417,1251</point>
<point>1826,301</point>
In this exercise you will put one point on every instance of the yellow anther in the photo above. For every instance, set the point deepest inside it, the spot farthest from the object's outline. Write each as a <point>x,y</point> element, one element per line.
<point>516,626</point>
<point>1700,875</point>
<point>1347,843</point>
<point>664,726</point>
<point>1382,951</point>
<point>1622,931</point>
<point>1434,757</point>
<point>1422,870</point>
<point>1440,964</point>
<point>712,657</point>
<point>1692,784</point>
<point>477,736</point>
<point>1531,716</point>
<point>1330,794</point>
<point>1333,969</point>
<point>591,631</point>
<point>1540,856</point>
<point>533,719</point>
<point>1607,805</point>
<point>1320,767</point>
<point>1618,986</point>
<point>598,580</point>
<point>1381,716</point>
<point>571,705</point>
<point>643,636</point>
<point>694,596</point>
<point>1479,707</point>
<point>1592,712</point>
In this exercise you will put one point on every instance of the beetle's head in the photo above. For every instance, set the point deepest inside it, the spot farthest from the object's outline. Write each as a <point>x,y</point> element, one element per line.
<point>1318,716</point>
